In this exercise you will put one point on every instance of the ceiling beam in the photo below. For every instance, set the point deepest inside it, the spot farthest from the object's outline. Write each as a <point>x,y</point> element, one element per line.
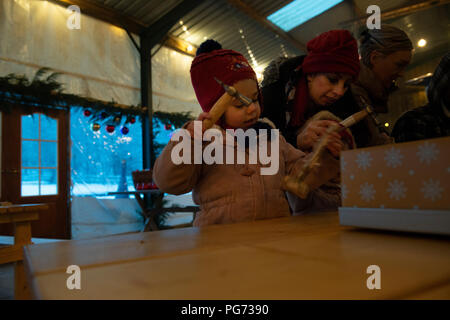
<point>180,45</point>
<point>400,11</point>
<point>109,15</point>
<point>251,12</point>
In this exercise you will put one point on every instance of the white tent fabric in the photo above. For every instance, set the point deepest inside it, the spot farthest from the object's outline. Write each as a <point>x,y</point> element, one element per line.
<point>172,87</point>
<point>98,61</point>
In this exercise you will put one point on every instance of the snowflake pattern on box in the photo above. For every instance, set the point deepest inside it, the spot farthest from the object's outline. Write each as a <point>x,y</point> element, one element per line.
<point>367,192</point>
<point>427,152</point>
<point>343,165</point>
<point>344,191</point>
<point>363,159</point>
<point>432,190</point>
<point>396,190</point>
<point>398,176</point>
<point>393,158</point>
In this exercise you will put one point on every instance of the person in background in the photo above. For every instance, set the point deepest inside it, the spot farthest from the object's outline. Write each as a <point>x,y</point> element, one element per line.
<point>304,95</point>
<point>295,89</point>
<point>433,119</point>
<point>385,53</point>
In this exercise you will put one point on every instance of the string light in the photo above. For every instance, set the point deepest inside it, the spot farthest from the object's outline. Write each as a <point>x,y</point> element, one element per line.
<point>258,69</point>
<point>422,43</point>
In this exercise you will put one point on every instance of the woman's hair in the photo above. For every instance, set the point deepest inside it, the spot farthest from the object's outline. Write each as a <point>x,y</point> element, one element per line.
<point>386,40</point>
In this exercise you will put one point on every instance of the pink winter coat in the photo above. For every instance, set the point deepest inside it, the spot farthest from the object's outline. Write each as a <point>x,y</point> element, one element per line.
<point>228,193</point>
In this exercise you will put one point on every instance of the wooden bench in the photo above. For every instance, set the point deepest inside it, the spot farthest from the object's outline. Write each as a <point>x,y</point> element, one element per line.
<point>21,216</point>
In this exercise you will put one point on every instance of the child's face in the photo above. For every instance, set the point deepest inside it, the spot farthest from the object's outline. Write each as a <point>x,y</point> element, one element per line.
<point>237,114</point>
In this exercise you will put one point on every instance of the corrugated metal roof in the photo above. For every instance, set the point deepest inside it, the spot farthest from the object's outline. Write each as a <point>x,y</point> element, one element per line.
<point>219,20</point>
<point>384,4</point>
<point>145,11</point>
<point>266,7</point>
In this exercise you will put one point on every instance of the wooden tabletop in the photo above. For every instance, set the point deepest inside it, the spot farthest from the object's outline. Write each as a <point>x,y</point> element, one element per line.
<point>303,257</point>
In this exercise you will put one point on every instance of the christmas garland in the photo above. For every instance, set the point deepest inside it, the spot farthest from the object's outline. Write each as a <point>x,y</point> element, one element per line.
<point>44,93</point>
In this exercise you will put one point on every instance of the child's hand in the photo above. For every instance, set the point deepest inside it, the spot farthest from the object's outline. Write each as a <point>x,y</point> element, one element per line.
<point>202,116</point>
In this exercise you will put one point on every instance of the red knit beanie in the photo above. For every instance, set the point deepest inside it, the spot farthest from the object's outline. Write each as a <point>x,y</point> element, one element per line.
<point>226,65</point>
<point>335,51</point>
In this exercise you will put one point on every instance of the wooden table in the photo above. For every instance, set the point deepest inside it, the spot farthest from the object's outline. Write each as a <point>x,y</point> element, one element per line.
<point>303,257</point>
<point>149,214</point>
<point>21,216</point>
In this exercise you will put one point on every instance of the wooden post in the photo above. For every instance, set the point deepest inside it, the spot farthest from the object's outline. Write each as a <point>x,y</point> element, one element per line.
<point>22,236</point>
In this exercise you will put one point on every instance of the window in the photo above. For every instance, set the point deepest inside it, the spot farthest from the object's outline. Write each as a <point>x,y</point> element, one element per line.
<point>102,162</point>
<point>39,155</point>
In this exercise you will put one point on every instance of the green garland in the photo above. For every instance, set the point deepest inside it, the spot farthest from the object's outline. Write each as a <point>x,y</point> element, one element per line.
<point>44,93</point>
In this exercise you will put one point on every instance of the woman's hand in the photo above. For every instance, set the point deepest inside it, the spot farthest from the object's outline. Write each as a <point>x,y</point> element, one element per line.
<point>309,136</point>
<point>202,116</point>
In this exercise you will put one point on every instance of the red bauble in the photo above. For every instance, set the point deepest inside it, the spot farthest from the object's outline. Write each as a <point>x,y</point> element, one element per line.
<point>139,186</point>
<point>87,113</point>
<point>168,126</point>
<point>132,120</point>
<point>110,128</point>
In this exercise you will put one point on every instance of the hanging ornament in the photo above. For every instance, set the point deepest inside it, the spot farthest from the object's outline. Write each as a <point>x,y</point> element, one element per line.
<point>167,126</point>
<point>87,113</point>
<point>103,115</point>
<point>124,130</point>
<point>117,119</point>
<point>95,127</point>
<point>110,128</point>
<point>132,120</point>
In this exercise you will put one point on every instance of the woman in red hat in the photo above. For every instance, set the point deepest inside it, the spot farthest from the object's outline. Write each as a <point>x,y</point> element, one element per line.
<point>295,89</point>
<point>233,192</point>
